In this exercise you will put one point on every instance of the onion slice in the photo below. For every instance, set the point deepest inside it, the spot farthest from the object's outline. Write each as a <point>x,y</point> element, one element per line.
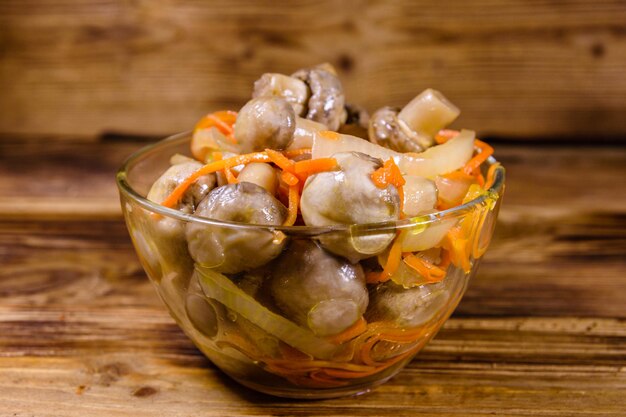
<point>222,289</point>
<point>437,160</point>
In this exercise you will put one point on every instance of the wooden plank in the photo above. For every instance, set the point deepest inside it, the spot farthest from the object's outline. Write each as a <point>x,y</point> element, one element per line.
<point>543,182</point>
<point>88,362</point>
<point>515,68</point>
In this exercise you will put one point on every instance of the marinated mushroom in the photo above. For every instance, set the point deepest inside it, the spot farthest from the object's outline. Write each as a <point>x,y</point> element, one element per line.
<point>326,104</point>
<point>293,90</point>
<point>174,176</point>
<point>265,122</point>
<point>317,289</point>
<point>413,128</point>
<point>349,196</point>
<point>231,250</point>
<point>406,307</point>
<point>386,130</point>
<point>167,233</point>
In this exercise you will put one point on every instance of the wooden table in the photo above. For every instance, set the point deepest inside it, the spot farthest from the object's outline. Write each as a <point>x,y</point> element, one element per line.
<point>541,330</point>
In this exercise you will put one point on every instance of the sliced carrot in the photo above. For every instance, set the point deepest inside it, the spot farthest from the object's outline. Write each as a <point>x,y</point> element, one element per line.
<point>388,174</point>
<point>314,166</point>
<point>289,178</point>
<point>427,270</point>
<point>294,200</point>
<point>230,177</point>
<point>474,163</point>
<point>292,153</point>
<point>222,120</point>
<point>350,333</point>
<point>209,168</point>
<point>459,174</point>
<point>280,160</point>
<point>391,266</point>
<point>491,176</point>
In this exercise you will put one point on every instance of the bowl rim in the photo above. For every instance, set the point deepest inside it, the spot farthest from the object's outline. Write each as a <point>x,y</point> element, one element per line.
<point>494,193</point>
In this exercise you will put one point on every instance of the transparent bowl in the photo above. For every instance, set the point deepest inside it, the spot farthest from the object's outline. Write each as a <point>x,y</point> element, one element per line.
<point>237,325</point>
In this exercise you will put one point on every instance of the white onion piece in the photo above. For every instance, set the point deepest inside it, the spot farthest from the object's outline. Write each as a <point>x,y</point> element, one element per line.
<point>325,147</point>
<point>429,112</point>
<point>428,236</point>
<point>434,161</point>
<point>452,191</point>
<point>304,133</point>
<point>440,159</point>
<point>420,195</point>
<point>217,286</point>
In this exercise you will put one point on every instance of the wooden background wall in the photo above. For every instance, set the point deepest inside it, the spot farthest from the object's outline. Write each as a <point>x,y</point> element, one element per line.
<point>517,68</point>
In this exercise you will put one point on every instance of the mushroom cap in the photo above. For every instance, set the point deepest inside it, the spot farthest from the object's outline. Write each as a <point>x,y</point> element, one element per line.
<point>292,89</point>
<point>327,101</point>
<point>174,176</point>
<point>349,196</point>
<point>407,307</point>
<point>387,130</point>
<point>265,122</point>
<point>229,249</point>
<point>317,289</point>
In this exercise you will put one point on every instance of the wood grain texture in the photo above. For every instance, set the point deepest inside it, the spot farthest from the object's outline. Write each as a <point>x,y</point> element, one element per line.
<point>90,363</point>
<point>515,68</point>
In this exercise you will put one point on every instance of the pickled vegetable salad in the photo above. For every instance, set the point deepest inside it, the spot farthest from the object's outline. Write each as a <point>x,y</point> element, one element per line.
<point>340,308</point>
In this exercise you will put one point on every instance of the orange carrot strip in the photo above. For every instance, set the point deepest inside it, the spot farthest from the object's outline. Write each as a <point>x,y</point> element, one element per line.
<point>314,166</point>
<point>209,168</point>
<point>391,266</point>
<point>223,127</point>
<point>294,201</point>
<point>350,333</point>
<point>289,178</point>
<point>474,163</point>
<point>457,243</point>
<point>459,174</point>
<point>291,153</point>
<point>388,174</point>
<point>230,177</point>
<point>491,176</point>
<point>222,120</point>
<point>393,262</point>
<point>280,160</point>
<point>427,270</point>
<point>445,135</point>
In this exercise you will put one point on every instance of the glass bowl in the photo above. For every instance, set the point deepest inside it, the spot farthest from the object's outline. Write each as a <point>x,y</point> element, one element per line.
<point>235,322</point>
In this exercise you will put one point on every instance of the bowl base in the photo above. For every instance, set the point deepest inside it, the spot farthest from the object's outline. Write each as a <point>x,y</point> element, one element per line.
<point>304,394</point>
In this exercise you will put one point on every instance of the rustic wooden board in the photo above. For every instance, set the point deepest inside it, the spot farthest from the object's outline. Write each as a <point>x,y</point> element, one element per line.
<point>515,68</point>
<point>89,362</point>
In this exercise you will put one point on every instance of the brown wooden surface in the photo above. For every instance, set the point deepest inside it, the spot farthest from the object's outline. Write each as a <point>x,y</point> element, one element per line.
<point>515,68</point>
<point>541,330</point>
